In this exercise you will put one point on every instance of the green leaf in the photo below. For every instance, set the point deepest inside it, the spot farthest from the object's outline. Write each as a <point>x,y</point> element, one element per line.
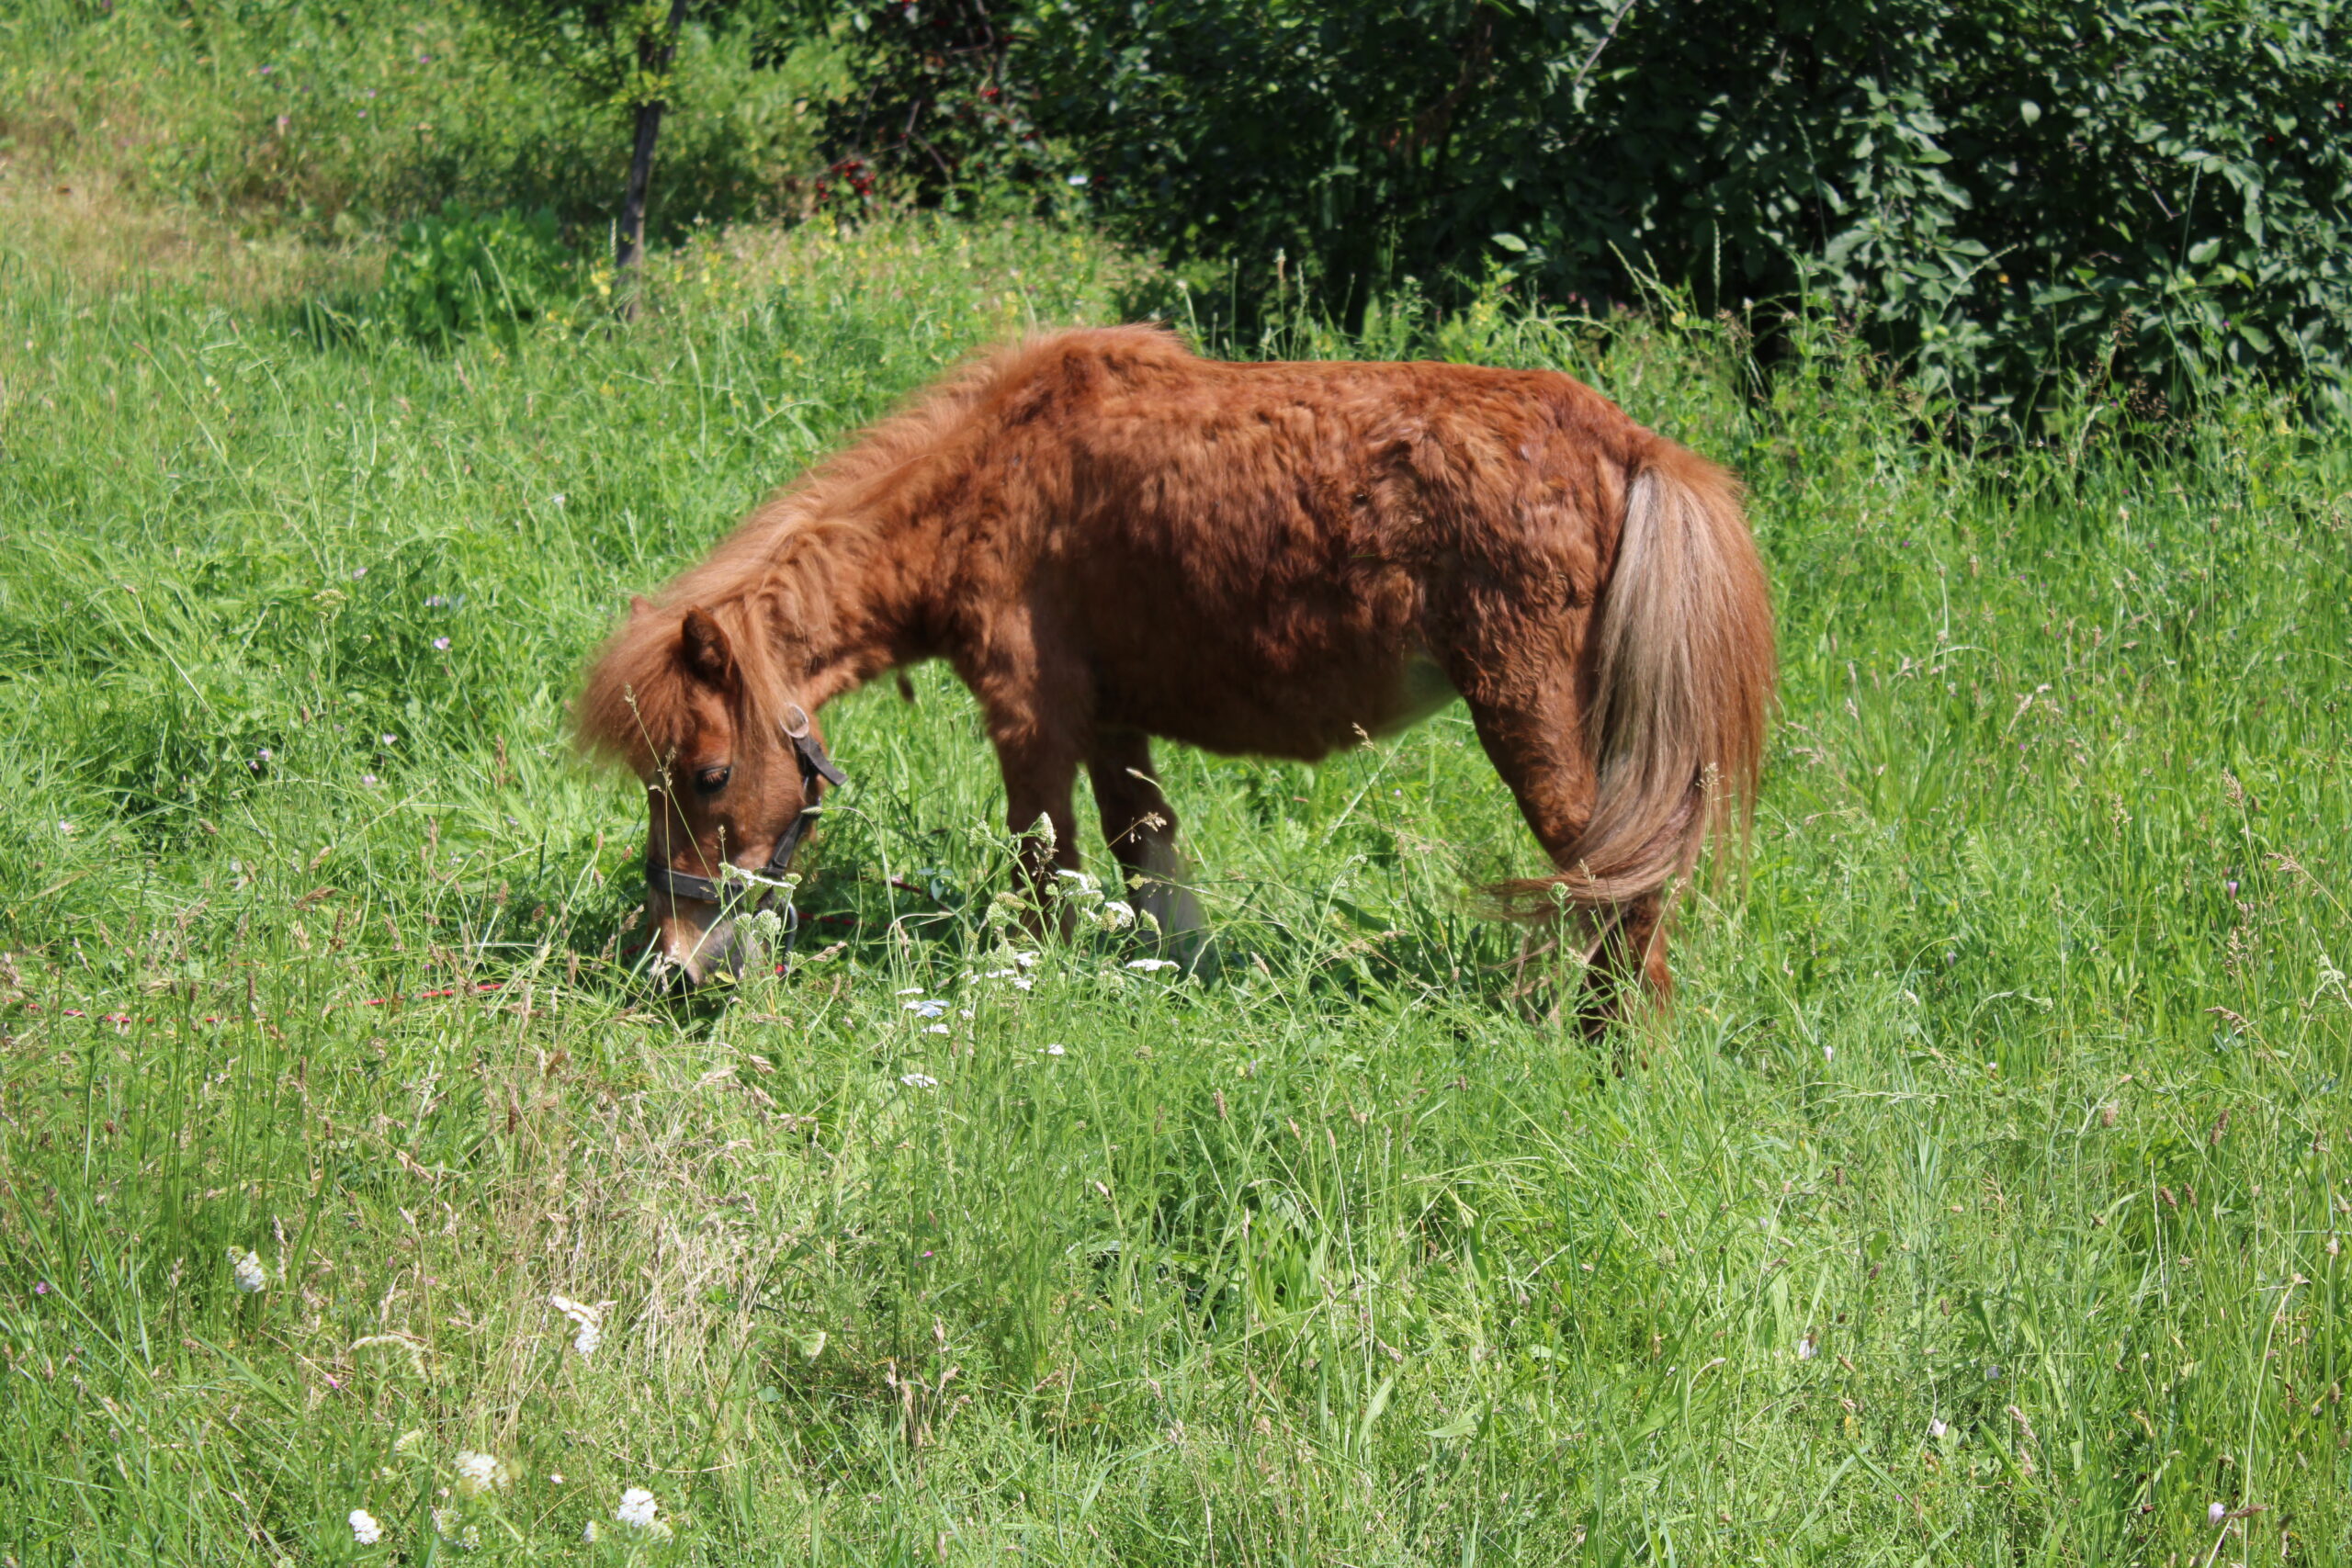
<point>1509,241</point>
<point>1462,1425</point>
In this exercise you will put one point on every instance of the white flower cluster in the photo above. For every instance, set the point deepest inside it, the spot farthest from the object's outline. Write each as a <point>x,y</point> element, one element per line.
<point>638,1511</point>
<point>451,1526</point>
<point>1013,973</point>
<point>1086,896</point>
<point>252,1278</point>
<point>588,1320</point>
<point>477,1473</point>
<point>363,1527</point>
<point>924,1007</point>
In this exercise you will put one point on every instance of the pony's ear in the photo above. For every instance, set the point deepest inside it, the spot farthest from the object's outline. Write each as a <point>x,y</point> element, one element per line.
<point>703,646</point>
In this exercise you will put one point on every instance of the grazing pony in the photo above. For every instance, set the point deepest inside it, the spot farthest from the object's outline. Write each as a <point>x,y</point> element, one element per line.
<point>1110,538</point>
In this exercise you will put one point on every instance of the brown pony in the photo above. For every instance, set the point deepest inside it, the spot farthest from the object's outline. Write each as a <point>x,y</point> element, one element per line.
<point>1109,539</point>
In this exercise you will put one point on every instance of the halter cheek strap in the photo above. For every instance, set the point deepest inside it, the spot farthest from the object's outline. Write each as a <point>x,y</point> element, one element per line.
<point>815,766</point>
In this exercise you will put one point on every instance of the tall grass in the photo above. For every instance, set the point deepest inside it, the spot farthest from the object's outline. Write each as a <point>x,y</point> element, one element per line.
<point>341,120</point>
<point>1980,1202</point>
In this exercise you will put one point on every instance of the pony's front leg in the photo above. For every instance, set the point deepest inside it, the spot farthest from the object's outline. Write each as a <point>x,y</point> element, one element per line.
<point>1140,827</point>
<point>1037,782</point>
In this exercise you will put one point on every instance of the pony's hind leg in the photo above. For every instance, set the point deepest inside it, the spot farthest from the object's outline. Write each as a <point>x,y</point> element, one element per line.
<point>1534,733</point>
<point>1140,827</point>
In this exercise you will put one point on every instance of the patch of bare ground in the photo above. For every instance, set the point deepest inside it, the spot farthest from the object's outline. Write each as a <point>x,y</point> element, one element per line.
<point>91,226</point>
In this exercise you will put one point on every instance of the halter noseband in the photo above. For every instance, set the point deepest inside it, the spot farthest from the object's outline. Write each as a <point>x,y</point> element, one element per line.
<point>814,765</point>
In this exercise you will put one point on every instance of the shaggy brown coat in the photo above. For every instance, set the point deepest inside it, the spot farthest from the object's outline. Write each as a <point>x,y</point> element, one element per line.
<point>1109,539</point>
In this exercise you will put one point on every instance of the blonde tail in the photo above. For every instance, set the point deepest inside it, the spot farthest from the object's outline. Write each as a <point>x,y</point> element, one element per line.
<point>1682,666</point>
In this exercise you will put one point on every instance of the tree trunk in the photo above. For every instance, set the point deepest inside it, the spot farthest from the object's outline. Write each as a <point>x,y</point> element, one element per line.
<point>654,56</point>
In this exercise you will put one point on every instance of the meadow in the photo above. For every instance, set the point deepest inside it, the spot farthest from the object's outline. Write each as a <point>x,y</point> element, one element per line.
<point>1981,1200</point>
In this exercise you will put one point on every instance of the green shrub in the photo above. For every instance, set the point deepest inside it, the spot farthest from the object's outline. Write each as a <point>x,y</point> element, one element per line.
<point>455,273</point>
<point>2001,191</point>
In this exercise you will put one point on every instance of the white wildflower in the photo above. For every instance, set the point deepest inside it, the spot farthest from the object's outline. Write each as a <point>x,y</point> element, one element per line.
<point>637,1508</point>
<point>451,1526</point>
<point>919,1080</point>
<point>252,1278</point>
<point>930,1006</point>
<point>363,1527</point>
<point>1117,915</point>
<point>1806,1349</point>
<point>1828,1055</point>
<point>1027,960</point>
<point>479,1473</point>
<point>589,1320</point>
<point>935,1028</point>
<point>1151,965</point>
<point>409,1442</point>
<point>589,1535</point>
<point>912,991</point>
<point>1056,1050</point>
<point>2215,1513</point>
<point>1936,1428</point>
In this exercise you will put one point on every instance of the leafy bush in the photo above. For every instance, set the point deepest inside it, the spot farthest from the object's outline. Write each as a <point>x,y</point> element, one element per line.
<point>2000,191</point>
<point>455,273</point>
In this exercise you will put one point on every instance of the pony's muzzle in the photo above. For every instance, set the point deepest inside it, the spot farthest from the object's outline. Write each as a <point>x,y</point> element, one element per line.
<point>691,942</point>
<point>691,949</point>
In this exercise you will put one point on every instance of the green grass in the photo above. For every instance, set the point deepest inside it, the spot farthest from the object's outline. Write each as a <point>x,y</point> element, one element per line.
<point>2006,1089</point>
<point>341,120</point>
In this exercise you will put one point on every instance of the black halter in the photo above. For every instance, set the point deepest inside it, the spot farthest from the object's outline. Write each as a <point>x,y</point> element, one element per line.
<point>814,765</point>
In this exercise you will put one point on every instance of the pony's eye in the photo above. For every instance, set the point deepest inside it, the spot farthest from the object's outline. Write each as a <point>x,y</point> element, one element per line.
<point>710,781</point>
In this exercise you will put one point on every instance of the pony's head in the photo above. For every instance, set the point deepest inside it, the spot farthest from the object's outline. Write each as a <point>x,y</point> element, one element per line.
<point>686,697</point>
